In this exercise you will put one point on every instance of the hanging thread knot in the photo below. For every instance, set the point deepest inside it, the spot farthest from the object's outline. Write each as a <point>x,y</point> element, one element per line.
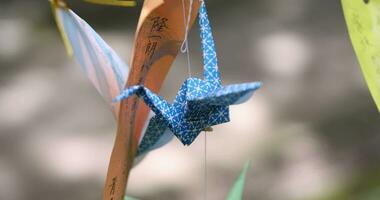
<point>185,43</point>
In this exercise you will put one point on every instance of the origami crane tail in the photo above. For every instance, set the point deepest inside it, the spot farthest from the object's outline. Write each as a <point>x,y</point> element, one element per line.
<point>243,91</point>
<point>210,60</point>
<point>231,94</point>
<point>156,103</point>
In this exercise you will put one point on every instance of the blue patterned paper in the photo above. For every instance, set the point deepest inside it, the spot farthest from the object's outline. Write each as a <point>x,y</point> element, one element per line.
<point>198,105</point>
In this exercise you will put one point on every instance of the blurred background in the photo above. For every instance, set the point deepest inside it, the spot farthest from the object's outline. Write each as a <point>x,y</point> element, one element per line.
<point>311,132</point>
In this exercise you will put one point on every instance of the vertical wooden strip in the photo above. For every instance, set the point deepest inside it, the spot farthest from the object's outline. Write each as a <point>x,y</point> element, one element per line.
<point>159,35</point>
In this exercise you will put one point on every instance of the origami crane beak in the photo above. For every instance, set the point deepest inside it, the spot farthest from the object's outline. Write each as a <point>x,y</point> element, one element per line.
<point>118,98</point>
<point>127,93</point>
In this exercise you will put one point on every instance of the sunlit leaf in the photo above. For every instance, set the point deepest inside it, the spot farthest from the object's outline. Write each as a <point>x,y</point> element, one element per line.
<point>363,21</point>
<point>126,3</point>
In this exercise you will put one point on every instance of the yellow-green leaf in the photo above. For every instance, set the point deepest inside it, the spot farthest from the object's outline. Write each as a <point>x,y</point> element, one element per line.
<point>363,21</point>
<point>126,3</point>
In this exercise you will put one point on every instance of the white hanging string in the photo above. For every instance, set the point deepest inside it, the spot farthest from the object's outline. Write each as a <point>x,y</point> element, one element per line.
<point>205,155</point>
<point>205,162</point>
<point>185,43</point>
<point>185,49</point>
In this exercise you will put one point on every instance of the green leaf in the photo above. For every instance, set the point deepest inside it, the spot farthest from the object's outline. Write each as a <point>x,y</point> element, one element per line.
<point>363,22</point>
<point>236,192</point>
<point>125,3</point>
<point>129,198</point>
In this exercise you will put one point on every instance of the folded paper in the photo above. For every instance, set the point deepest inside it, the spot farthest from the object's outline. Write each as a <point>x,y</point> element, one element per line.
<point>199,104</point>
<point>106,71</point>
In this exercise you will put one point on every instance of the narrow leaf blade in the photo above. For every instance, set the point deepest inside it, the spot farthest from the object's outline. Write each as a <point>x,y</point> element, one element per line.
<point>238,188</point>
<point>124,3</point>
<point>129,198</point>
<point>363,24</point>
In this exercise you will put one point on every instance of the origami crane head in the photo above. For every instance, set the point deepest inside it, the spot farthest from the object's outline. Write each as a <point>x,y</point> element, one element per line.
<point>198,105</point>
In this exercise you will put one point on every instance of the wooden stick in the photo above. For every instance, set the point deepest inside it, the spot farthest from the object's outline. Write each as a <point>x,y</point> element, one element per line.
<point>159,35</point>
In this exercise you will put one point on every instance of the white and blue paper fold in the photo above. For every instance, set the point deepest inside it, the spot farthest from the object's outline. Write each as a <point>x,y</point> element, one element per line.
<point>198,105</point>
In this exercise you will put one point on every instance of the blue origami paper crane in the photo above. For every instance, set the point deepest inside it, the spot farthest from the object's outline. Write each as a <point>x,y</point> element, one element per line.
<point>198,105</point>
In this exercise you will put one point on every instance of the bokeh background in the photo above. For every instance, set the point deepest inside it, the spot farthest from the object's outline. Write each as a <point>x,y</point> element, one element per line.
<point>311,133</point>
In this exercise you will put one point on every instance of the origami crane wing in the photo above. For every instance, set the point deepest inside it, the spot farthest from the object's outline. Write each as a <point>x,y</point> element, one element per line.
<point>102,66</point>
<point>157,135</point>
<point>228,95</point>
<point>105,69</point>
